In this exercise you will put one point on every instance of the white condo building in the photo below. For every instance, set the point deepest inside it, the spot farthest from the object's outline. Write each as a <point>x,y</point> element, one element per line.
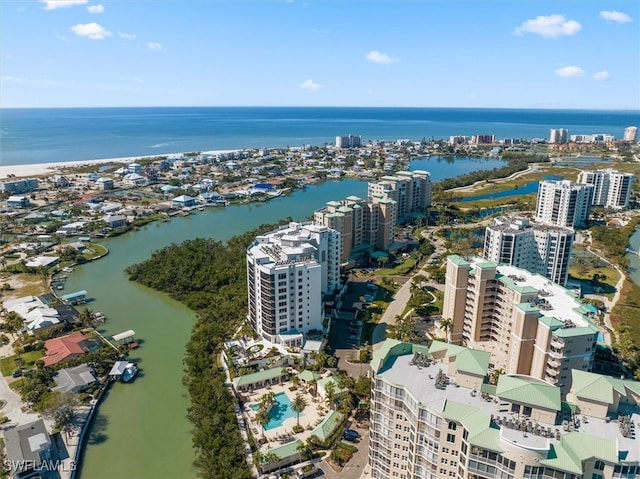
<point>349,141</point>
<point>563,203</point>
<point>631,133</point>
<point>440,411</point>
<point>611,189</point>
<point>558,135</point>
<point>288,271</point>
<point>529,324</point>
<point>541,249</point>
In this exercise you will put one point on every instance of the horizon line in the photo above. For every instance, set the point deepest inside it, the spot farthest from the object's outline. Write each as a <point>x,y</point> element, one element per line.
<point>324,107</point>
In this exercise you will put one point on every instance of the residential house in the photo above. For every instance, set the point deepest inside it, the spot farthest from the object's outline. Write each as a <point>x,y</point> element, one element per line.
<point>76,379</point>
<point>184,201</point>
<point>104,184</point>
<point>27,446</point>
<point>114,221</point>
<point>18,201</point>
<point>65,347</point>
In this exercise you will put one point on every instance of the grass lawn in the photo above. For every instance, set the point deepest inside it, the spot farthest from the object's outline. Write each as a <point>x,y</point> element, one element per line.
<point>399,270</point>
<point>608,284</point>
<point>94,251</point>
<point>8,365</point>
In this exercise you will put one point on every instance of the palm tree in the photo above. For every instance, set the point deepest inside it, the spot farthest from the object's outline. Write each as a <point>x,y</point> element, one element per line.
<point>330,393</point>
<point>445,325</point>
<point>262,418</point>
<point>86,317</point>
<point>298,405</point>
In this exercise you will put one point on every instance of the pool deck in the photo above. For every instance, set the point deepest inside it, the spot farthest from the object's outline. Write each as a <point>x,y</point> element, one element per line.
<point>315,411</point>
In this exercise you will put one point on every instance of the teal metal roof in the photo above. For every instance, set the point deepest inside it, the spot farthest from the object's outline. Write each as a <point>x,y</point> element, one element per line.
<point>328,425</point>
<point>531,391</point>
<point>258,377</point>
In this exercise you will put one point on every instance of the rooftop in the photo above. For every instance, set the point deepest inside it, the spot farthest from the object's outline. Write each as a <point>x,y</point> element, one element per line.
<point>490,421</point>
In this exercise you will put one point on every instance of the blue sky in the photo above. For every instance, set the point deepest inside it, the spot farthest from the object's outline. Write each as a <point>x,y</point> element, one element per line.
<point>448,53</point>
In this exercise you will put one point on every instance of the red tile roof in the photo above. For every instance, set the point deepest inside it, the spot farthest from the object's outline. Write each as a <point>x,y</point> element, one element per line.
<point>59,349</point>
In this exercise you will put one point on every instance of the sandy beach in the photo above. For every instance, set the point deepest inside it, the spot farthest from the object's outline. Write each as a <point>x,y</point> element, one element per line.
<point>45,169</point>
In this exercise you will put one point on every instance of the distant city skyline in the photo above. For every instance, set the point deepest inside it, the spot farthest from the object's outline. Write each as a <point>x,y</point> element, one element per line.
<point>546,54</point>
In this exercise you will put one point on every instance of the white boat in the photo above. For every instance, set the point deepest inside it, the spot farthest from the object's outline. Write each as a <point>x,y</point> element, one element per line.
<point>67,269</point>
<point>129,372</point>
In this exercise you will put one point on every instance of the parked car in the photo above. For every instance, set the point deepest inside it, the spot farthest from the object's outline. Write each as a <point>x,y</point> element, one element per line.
<point>350,435</point>
<point>17,373</point>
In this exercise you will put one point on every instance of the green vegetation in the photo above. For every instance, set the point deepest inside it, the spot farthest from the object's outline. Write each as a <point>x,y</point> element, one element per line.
<point>209,277</point>
<point>624,319</point>
<point>613,241</point>
<point>23,360</point>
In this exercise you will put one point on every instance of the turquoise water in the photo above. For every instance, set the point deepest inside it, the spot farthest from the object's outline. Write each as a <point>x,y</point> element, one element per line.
<point>525,189</point>
<point>74,134</point>
<point>280,412</point>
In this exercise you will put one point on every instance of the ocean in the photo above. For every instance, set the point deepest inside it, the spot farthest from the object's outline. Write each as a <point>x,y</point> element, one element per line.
<point>78,134</point>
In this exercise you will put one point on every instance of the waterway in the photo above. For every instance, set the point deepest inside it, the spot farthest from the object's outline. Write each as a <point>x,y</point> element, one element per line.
<point>634,259</point>
<point>527,188</point>
<point>141,430</point>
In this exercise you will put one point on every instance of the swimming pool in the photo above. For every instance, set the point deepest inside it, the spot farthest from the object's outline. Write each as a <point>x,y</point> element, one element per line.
<point>281,411</point>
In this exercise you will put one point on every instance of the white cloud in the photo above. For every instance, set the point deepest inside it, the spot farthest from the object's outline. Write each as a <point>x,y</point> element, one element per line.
<point>551,26</point>
<point>8,56</point>
<point>570,72</point>
<point>310,85</point>
<point>10,78</point>
<point>154,45</point>
<point>93,31</point>
<point>99,8</point>
<point>614,16</point>
<point>377,57</point>
<point>53,4</point>
<point>127,36</point>
<point>603,75</point>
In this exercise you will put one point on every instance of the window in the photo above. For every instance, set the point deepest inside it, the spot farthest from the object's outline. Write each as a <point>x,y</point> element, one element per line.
<point>599,466</point>
<point>451,438</point>
<point>452,425</point>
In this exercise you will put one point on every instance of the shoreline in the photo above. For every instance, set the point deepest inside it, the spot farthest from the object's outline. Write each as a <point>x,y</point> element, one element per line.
<point>57,167</point>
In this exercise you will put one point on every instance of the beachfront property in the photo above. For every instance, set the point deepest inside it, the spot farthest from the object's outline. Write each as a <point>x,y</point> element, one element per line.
<point>27,447</point>
<point>611,189</point>
<point>558,135</point>
<point>630,134</point>
<point>436,413</point>
<point>39,313</point>
<point>541,249</point>
<point>529,324</point>
<point>288,272</point>
<point>563,203</point>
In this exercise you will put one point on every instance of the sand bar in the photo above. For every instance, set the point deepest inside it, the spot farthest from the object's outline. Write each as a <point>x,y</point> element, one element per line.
<point>44,169</point>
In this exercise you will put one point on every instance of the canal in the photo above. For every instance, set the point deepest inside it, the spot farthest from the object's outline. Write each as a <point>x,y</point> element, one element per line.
<point>141,430</point>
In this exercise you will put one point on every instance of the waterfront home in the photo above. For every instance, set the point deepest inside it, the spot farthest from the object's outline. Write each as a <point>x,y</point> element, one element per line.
<point>184,201</point>
<point>27,446</point>
<point>75,380</point>
<point>40,318</point>
<point>42,261</point>
<point>210,198</point>
<point>282,456</point>
<point>114,221</point>
<point>65,347</point>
